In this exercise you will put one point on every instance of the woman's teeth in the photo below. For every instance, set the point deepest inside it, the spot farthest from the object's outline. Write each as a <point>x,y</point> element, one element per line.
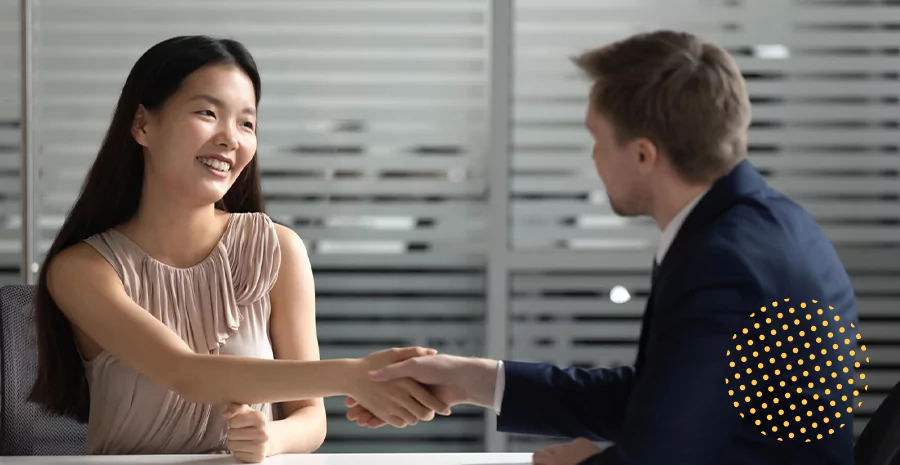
<point>217,165</point>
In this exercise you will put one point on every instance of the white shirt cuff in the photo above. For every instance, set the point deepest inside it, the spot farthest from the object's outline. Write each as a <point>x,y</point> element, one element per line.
<point>499,387</point>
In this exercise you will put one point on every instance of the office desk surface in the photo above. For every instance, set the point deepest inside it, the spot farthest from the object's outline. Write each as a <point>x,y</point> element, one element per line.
<point>308,459</point>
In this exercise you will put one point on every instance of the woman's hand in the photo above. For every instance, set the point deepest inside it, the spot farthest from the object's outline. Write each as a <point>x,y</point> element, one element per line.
<point>248,438</point>
<point>400,402</point>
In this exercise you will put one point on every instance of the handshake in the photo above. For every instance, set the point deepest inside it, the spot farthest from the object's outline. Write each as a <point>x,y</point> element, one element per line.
<point>400,387</point>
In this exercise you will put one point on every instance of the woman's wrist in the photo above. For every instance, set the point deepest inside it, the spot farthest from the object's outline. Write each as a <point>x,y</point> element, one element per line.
<point>348,374</point>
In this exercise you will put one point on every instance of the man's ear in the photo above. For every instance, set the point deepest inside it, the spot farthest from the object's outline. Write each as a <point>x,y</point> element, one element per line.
<point>647,154</point>
<point>139,125</point>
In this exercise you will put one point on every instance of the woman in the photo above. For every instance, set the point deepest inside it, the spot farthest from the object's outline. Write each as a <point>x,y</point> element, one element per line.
<point>164,287</point>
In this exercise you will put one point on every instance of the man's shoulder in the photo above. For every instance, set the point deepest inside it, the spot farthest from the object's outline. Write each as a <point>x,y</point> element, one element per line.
<point>768,240</point>
<point>767,224</point>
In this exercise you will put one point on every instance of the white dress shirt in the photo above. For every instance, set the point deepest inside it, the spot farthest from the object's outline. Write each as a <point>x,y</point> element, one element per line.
<point>668,234</point>
<point>665,241</point>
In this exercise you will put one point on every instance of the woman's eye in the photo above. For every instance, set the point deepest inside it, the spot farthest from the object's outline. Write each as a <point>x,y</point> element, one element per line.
<point>207,113</point>
<point>249,125</point>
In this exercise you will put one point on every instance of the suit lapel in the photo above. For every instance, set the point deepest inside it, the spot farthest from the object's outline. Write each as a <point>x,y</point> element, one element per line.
<point>645,324</point>
<point>724,193</point>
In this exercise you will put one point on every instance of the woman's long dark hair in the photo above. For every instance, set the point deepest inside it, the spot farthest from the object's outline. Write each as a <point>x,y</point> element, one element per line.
<point>110,196</point>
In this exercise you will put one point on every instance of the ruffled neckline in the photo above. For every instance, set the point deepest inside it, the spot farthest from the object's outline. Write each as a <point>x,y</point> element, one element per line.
<point>203,303</point>
<point>213,254</point>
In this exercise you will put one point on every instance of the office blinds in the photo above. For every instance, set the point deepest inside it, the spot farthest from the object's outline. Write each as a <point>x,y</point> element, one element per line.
<point>10,185</point>
<point>372,126</point>
<point>374,146</point>
<point>823,77</point>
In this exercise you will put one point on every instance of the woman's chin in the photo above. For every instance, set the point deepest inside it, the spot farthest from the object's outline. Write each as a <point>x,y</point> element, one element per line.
<point>212,192</point>
<point>208,197</point>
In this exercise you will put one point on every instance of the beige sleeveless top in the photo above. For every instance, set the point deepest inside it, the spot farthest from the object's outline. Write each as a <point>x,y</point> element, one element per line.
<point>219,306</point>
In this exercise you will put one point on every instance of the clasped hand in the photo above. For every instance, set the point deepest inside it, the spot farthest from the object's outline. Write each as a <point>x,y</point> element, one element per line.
<point>398,402</point>
<point>452,379</point>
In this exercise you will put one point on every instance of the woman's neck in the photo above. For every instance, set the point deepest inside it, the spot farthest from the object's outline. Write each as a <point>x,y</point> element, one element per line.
<point>173,233</point>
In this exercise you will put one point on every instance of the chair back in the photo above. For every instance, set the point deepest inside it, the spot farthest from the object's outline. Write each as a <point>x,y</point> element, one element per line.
<point>25,429</point>
<point>879,442</point>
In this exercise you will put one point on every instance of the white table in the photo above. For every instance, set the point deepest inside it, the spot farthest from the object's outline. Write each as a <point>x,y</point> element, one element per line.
<point>309,459</point>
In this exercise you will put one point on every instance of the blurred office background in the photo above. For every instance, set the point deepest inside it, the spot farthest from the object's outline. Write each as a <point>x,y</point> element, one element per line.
<point>432,155</point>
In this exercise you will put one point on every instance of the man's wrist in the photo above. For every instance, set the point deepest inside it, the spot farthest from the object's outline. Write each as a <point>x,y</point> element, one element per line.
<point>499,387</point>
<point>481,382</point>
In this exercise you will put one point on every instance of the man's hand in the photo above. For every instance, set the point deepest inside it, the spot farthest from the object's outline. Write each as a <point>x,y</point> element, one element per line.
<point>573,453</point>
<point>388,357</point>
<point>454,380</point>
<point>248,439</point>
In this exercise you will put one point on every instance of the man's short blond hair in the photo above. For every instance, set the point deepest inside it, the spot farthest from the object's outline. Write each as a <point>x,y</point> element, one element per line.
<point>683,93</point>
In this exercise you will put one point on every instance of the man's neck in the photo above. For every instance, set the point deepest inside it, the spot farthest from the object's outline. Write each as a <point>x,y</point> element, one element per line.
<point>670,198</point>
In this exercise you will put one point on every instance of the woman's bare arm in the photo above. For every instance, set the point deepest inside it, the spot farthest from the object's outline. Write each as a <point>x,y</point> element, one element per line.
<point>92,297</point>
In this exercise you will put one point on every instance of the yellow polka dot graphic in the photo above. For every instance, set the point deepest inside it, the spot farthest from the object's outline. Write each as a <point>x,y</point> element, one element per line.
<point>806,386</point>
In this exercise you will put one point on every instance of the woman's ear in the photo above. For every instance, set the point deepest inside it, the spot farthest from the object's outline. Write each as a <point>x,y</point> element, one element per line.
<point>139,125</point>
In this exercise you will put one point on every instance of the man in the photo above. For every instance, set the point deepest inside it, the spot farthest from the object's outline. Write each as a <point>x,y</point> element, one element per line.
<point>669,114</point>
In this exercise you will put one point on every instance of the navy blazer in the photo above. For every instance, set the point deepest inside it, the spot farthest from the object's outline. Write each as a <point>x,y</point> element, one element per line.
<point>743,247</point>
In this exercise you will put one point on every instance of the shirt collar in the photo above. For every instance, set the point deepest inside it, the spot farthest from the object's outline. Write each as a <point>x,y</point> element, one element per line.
<point>671,230</point>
